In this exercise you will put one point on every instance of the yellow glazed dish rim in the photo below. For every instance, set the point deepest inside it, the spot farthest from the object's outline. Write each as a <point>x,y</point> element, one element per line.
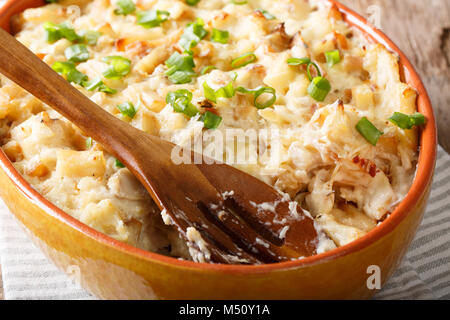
<point>426,162</point>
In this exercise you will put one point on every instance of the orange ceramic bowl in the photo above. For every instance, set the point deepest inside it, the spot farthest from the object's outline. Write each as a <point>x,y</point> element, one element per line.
<point>113,270</point>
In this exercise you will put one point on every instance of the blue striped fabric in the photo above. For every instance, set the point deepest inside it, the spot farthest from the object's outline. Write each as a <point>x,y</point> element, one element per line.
<point>425,271</point>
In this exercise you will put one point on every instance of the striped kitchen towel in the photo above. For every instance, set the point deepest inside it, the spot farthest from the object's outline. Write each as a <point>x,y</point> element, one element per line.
<point>424,273</point>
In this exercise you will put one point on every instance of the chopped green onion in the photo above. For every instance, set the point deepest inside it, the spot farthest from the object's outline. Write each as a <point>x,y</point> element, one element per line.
<point>209,93</point>
<point>127,109</point>
<point>298,61</point>
<point>267,103</point>
<point>243,60</point>
<point>104,88</point>
<point>308,62</point>
<point>69,70</point>
<point>51,1</point>
<point>89,143</point>
<point>181,102</point>
<point>181,68</point>
<point>77,53</point>
<point>308,70</point>
<point>257,93</point>
<point>68,32</point>
<point>118,67</point>
<point>239,2</point>
<point>418,119</point>
<point>211,120</point>
<point>193,34</point>
<point>119,164</point>
<point>224,92</point>
<point>207,69</point>
<point>266,14</point>
<point>125,7</point>
<point>192,2</point>
<point>54,32</point>
<point>319,88</point>
<point>152,19</point>
<point>180,77</point>
<point>180,62</point>
<point>369,131</point>
<point>90,37</point>
<point>99,85</point>
<point>220,36</point>
<point>93,84</point>
<point>407,122</point>
<point>333,57</point>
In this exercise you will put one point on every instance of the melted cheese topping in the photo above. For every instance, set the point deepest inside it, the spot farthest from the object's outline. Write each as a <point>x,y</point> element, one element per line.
<point>324,164</point>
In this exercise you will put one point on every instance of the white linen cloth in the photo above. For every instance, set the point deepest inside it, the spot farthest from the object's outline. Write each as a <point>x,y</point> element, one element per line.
<point>424,273</point>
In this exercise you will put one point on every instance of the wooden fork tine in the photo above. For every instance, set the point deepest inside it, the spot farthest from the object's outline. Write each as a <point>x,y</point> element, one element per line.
<point>220,246</point>
<point>266,210</point>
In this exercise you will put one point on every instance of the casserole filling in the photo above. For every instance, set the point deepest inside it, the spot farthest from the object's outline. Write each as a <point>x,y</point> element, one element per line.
<point>317,110</point>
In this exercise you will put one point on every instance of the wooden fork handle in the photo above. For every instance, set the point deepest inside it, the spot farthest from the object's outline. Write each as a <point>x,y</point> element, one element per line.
<point>23,67</point>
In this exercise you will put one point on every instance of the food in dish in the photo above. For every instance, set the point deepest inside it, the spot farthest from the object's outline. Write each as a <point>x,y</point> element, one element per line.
<point>347,124</point>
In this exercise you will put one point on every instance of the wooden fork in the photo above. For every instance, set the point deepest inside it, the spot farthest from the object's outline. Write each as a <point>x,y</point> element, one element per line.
<point>230,209</point>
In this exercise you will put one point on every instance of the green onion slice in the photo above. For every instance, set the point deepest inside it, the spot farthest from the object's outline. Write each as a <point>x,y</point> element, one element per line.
<point>68,32</point>
<point>97,84</point>
<point>127,109</point>
<point>92,84</point>
<point>258,100</point>
<point>54,32</point>
<point>90,37</point>
<point>152,19</point>
<point>192,2</point>
<point>193,34</point>
<point>266,14</point>
<point>239,2</point>
<point>211,120</point>
<point>125,7</point>
<point>369,131</point>
<point>224,92</point>
<point>298,61</point>
<point>264,103</point>
<point>333,57</point>
<point>104,88</point>
<point>220,36</point>
<point>119,164</point>
<point>77,53</point>
<point>209,93</point>
<point>308,62</point>
<point>89,143</point>
<point>407,122</point>
<point>180,77</point>
<point>181,102</point>
<point>243,60</point>
<point>207,69</point>
<point>181,68</point>
<point>319,88</point>
<point>118,67</point>
<point>69,70</point>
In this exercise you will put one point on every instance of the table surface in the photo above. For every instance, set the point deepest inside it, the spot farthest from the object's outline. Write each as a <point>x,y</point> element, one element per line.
<point>422,31</point>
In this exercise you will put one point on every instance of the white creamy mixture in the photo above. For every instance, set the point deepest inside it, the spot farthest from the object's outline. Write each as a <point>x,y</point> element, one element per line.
<point>326,165</point>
